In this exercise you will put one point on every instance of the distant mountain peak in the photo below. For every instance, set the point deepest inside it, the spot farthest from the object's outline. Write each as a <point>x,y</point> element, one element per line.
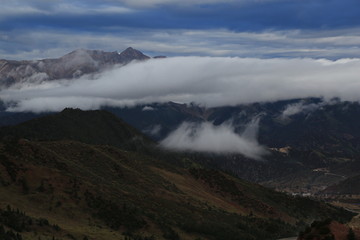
<point>130,54</point>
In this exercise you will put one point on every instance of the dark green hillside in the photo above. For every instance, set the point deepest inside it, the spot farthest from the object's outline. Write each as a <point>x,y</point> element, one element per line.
<point>104,192</point>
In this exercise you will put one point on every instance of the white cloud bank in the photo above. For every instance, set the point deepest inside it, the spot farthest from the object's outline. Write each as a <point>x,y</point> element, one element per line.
<point>206,137</point>
<point>212,81</point>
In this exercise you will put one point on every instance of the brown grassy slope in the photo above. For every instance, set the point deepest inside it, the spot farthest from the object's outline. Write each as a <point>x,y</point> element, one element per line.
<point>101,192</point>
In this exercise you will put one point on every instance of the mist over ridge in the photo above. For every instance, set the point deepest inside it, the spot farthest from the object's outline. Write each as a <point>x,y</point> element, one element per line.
<point>209,81</point>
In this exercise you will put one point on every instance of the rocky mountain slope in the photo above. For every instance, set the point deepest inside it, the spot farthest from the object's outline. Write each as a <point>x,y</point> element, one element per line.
<point>70,182</point>
<point>71,65</point>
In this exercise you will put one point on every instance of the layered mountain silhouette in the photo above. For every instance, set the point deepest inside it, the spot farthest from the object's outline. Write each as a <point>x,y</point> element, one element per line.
<point>71,65</point>
<point>72,175</point>
<point>312,149</point>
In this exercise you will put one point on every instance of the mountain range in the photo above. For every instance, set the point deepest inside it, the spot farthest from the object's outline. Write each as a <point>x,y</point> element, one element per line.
<point>312,143</point>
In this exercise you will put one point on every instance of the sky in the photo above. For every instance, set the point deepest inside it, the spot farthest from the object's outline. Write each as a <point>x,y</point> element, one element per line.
<point>36,29</point>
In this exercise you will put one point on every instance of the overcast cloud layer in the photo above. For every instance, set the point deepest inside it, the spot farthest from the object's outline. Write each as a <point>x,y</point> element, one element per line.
<point>211,81</point>
<point>263,28</point>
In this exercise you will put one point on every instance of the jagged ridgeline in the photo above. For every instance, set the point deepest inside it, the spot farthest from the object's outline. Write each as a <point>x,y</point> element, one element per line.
<point>93,127</point>
<point>86,176</point>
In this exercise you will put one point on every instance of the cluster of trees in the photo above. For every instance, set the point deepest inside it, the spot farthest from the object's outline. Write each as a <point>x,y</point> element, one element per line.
<point>113,215</point>
<point>9,234</point>
<point>17,221</point>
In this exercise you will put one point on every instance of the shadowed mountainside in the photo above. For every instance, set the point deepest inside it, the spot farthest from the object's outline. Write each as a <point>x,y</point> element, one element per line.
<point>347,186</point>
<point>93,127</point>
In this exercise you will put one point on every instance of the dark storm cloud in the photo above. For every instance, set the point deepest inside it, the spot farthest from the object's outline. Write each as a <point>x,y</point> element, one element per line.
<point>234,15</point>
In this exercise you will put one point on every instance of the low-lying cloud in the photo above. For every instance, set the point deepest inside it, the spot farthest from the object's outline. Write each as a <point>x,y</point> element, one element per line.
<point>303,107</point>
<point>300,107</point>
<point>148,108</point>
<point>153,130</point>
<point>205,137</point>
<point>211,81</point>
